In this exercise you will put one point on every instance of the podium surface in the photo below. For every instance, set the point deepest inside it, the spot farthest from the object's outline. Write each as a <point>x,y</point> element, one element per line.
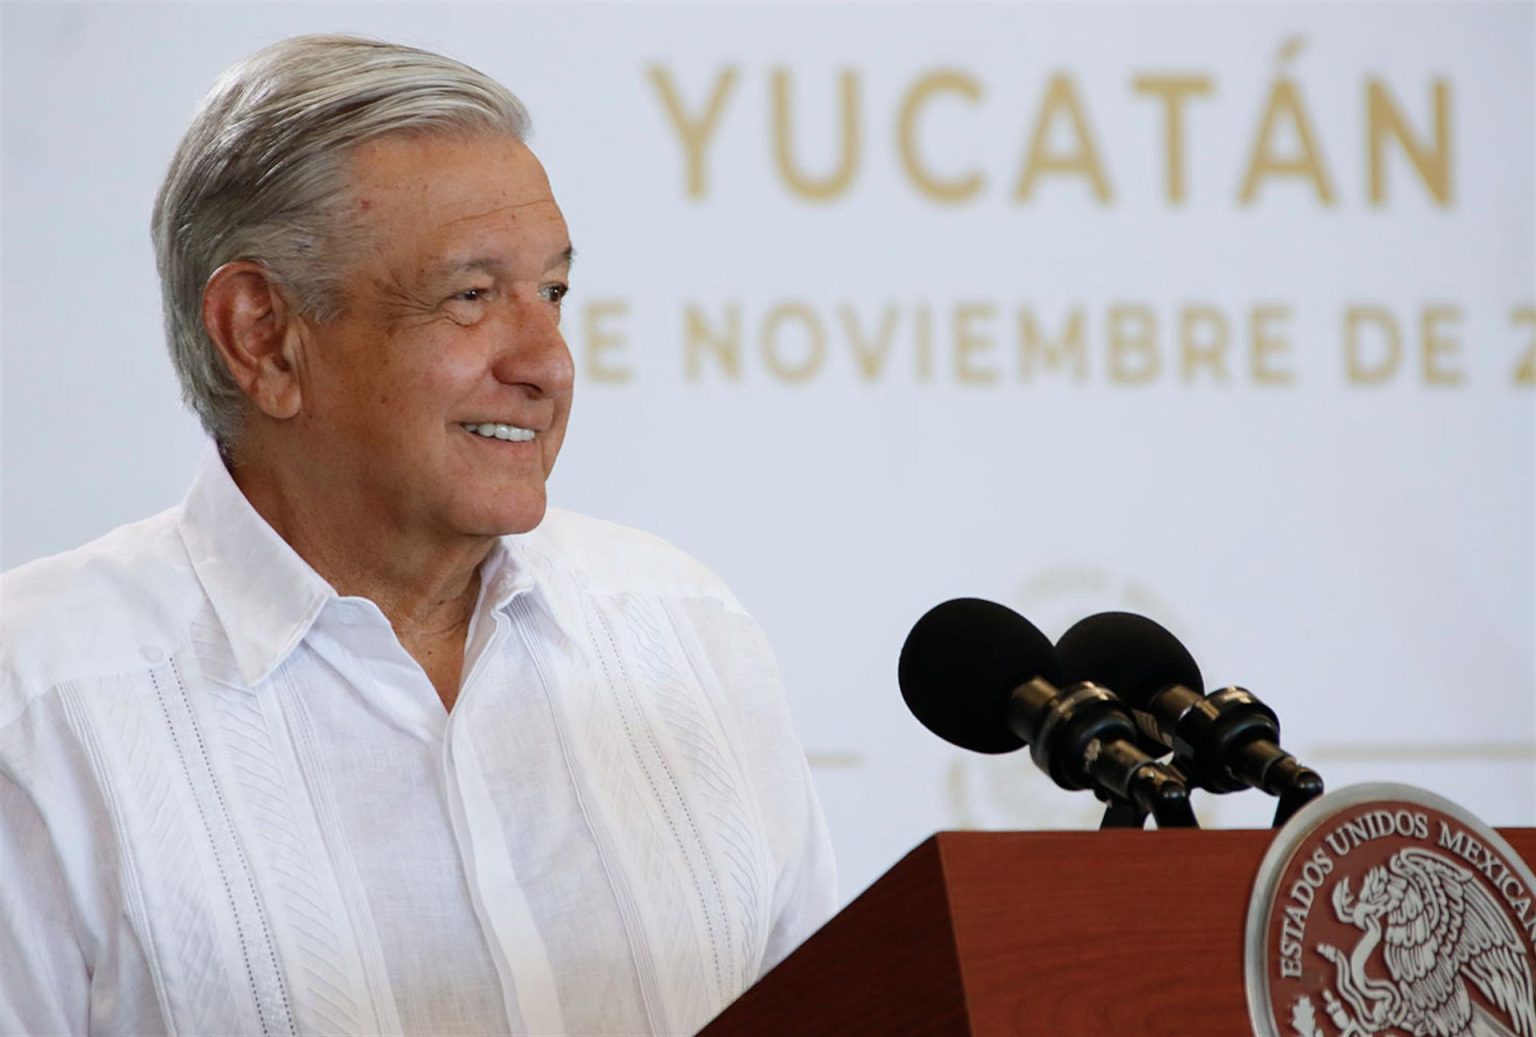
<point>1040,933</point>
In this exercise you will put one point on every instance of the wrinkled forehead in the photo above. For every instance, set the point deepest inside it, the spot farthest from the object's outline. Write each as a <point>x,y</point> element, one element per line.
<point>452,193</point>
<point>435,166</point>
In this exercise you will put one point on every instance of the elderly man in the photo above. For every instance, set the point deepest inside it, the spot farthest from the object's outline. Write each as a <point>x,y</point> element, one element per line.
<point>359,739</point>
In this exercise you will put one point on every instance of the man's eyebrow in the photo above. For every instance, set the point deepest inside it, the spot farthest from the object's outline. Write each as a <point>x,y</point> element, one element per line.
<point>493,265</point>
<point>466,264</point>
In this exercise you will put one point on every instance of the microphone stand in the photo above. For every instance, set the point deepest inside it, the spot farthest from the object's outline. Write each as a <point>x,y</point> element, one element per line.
<point>1156,789</point>
<point>1306,787</point>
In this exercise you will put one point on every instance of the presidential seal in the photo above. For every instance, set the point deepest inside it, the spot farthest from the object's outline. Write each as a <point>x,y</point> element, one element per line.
<point>1386,910</point>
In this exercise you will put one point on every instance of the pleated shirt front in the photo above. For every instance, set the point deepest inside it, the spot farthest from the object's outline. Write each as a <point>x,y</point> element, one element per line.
<point>230,802</point>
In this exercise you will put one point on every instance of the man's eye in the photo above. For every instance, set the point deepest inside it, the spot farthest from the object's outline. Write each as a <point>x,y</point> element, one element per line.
<point>556,292</point>
<point>473,295</point>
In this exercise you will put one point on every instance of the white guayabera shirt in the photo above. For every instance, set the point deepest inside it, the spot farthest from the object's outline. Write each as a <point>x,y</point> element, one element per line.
<point>231,803</point>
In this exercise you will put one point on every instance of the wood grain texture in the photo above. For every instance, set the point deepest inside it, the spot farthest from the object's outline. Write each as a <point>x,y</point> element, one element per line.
<point>1044,934</point>
<point>1103,932</point>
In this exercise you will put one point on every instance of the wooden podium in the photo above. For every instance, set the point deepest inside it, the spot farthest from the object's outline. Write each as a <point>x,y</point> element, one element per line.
<point>1075,934</point>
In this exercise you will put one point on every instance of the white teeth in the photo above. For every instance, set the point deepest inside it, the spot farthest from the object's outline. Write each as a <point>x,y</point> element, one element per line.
<point>492,430</point>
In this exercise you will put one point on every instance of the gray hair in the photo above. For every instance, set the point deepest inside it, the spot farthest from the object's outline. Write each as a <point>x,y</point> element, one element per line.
<point>262,174</point>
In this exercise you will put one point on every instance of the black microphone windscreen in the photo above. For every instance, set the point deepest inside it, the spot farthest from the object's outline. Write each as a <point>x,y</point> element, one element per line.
<point>1129,654</point>
<point>959,665</point>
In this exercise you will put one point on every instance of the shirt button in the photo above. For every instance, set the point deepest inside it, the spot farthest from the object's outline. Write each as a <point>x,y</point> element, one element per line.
<point>152,654</point>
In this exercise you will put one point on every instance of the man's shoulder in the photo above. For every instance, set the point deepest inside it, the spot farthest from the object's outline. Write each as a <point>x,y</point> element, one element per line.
<point>606,557</point>
<point>94,609</point>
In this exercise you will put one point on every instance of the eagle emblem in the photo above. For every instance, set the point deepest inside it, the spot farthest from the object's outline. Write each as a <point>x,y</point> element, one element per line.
<point>1440,934</point>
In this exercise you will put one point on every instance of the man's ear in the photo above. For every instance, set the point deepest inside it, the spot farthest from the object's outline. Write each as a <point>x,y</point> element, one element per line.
<point>257,335</point>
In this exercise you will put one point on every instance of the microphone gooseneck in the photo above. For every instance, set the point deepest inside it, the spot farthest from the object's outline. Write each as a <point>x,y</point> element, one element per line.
<point>981,676</point>
<point>1224,742</point>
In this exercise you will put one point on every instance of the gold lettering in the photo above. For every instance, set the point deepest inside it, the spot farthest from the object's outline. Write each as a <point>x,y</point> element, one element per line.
<point>1525,370</point>
<point>724,345</point>
<point>1357,318</point>
<point>1133,356</point>
<point>970,340</point>
<point>1206,350</point>
<point>815,342</point>
<point>601,340</point>
<point>948,191</point>
<point>1263,163</point>
<point>1431,161</point>
<point>825,188</point>
<point>693,133</point>
<point>922,319</point>
<point>1436,346</point>
<point>1068,348</point>
<point>869,357</point>
<point>1266,344</point>
<point>1173,91</point>
<point>1080,160</point>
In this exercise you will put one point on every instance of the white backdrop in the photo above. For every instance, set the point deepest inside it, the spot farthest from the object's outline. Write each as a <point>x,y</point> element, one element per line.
<point>1073,307</point>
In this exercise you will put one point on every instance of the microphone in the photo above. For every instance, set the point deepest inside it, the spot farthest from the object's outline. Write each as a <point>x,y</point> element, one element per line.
<point>982,677</point>
<point>1224,742</point>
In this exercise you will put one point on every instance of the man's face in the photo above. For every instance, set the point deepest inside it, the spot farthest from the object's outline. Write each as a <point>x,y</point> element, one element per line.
<point>440,396</point>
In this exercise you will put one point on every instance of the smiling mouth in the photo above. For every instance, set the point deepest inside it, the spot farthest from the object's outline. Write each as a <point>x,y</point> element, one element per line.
<point>492,430</point>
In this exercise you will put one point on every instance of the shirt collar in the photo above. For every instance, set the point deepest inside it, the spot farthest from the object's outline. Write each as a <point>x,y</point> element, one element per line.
<point>504,574</point>
<point>265,595</point>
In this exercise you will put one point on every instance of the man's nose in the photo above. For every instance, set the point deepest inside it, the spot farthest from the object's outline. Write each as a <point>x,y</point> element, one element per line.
<point>533,352</point>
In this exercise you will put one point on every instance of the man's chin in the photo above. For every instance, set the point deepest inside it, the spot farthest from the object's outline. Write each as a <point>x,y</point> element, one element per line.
<point>510,521</point>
